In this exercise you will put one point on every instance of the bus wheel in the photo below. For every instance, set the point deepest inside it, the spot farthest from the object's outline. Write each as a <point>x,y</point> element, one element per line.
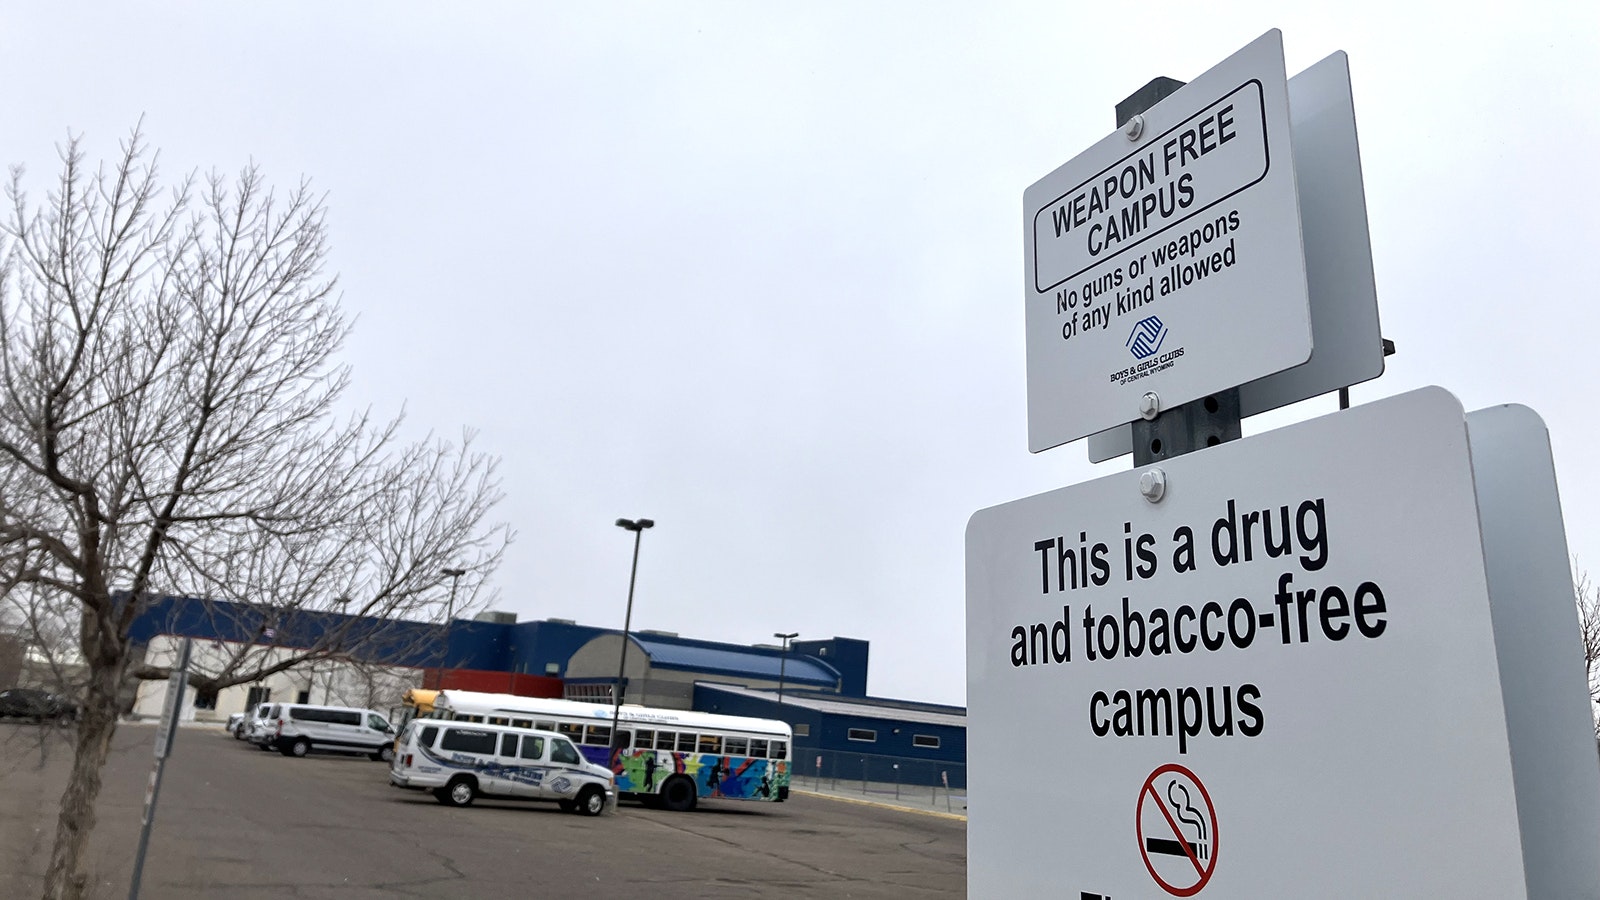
<point>678,794</point>
<point>459,792</point>
<point>591,801</point>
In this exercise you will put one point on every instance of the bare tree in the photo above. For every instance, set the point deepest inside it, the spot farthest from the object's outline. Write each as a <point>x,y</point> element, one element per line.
<point>1589,625</point>
<point>169,425</point>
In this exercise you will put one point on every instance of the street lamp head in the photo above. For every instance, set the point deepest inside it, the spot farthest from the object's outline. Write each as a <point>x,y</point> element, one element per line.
<point>636,524</point>
<point>782,636</point>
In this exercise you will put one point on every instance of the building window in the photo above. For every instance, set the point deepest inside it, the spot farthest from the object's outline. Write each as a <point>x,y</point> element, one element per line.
<point>589,693</point>
<point>866,735</point>
<point>925,740</point>
<point>205,699</point>
<point>802,729</point>
<point>303,697</point>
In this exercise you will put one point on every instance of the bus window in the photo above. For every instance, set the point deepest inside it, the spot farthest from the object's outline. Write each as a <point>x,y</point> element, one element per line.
<point>499,720</point>
<point>711,743</point>
<point>666,740</point>
<point>624,739</point>
<point>572,731</point>
<point>758,747</point>
<point>644,739</point>
<point>597,735</point>
<point>546,726</point>
<point>779,750</point>
<point>685,742</point>
<point>522,723</point>
<point>736,746</point>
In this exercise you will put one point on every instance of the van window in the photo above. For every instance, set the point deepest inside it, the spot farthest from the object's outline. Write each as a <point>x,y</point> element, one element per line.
<point>345,717</point>
<point>532,747</point>
<point>508,744</point>
<point>467,741</point>
<point>428,734</point>
<point>564,752</point>
<point>376,722</point>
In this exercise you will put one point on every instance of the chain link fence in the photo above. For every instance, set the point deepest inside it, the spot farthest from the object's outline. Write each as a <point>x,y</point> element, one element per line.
<point>940,784</point>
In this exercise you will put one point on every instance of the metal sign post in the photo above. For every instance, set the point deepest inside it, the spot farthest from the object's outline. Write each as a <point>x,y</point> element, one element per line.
<point>166,731</point>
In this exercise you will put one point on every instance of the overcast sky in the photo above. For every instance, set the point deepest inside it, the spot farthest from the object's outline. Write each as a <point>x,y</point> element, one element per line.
<point>755,270</point>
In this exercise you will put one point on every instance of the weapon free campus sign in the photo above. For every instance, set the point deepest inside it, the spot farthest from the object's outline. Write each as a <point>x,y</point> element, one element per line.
<point>1169,261</point>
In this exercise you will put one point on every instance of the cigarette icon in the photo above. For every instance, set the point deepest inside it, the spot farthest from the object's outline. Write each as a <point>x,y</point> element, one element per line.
<point>1174,848</point>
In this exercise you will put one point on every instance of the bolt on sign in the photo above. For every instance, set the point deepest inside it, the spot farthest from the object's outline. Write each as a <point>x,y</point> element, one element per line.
<point>1298,672</point>
<point>1167,257</point>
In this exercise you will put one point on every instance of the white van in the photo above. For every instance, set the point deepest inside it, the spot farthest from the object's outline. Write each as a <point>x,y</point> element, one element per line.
<point>298,728</point>
<point>461,761</point>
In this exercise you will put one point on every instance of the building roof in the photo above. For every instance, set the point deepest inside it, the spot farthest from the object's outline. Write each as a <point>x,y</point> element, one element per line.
<point>869,708</point>
<point>752,662</point>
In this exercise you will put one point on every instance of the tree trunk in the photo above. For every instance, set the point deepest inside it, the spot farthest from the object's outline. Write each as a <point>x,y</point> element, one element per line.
<point>97,722</point>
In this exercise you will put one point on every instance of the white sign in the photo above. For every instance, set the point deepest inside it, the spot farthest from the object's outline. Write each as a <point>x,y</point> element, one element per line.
<point>1346,340</point>
<point>1540,647</point>
<point>1280,680</point>
<point>1170,262</point>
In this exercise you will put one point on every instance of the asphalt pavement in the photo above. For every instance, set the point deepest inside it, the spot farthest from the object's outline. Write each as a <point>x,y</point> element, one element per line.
<point>236,822</point>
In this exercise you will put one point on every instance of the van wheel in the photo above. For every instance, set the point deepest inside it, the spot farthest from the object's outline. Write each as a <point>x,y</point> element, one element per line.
<point>461,791</point>
<point>384,754</point>
<point>591,801</point>
<point>300,747</point>
<point>678,794</point>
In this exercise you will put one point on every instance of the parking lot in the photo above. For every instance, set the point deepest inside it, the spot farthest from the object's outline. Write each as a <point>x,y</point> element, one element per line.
<point>237,822</point>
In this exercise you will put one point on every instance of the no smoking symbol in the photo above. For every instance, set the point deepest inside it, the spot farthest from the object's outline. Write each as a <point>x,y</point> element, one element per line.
<point>1177,830</point>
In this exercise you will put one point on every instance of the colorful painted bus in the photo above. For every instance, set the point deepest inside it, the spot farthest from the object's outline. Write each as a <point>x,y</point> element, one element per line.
<point>664,757</point>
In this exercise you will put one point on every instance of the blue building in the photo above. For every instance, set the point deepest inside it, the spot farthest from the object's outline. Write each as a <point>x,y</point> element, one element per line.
<point>818,686</point>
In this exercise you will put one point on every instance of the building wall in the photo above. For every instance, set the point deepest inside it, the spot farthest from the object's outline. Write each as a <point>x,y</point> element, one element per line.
<point>827,750</point>
<point>544,647</point>
<point>596,663</point>
<point>324,682</point>
<point>848,655</point>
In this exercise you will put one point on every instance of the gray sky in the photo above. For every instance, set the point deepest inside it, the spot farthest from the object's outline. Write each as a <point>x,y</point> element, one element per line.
<point>755,270</point>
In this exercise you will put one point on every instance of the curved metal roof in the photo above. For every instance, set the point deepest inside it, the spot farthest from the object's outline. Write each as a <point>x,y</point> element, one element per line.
<point>697,656</point>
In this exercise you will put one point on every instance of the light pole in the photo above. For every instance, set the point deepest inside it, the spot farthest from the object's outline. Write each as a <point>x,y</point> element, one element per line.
<point>449,616</point>
<point>637,526</point>
<point>783,661</point>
